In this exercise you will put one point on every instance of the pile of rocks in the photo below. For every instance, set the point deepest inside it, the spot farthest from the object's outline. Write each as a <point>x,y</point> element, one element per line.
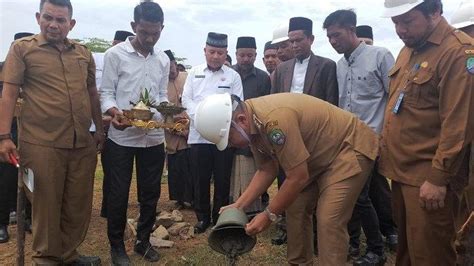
<point>168,224</point>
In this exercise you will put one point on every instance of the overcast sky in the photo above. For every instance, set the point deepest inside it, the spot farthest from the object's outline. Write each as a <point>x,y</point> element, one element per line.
<point>187,22</point>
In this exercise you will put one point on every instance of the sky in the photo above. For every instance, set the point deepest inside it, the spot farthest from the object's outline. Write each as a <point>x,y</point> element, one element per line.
<point>187,22</point>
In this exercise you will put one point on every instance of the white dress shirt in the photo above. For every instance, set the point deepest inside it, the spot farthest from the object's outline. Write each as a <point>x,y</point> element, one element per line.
<point>202,82</point>
<point>99,67</point>
<point>299,74</point>
<point>126,74</point>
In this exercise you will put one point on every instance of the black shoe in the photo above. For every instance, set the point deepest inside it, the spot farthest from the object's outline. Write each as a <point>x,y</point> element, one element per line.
<point>353,253</point>
<point>280,238</point>
<point>147,251</point>
<point>86,261</point>
<point>4,237</point>
<point>392,242</point>
<point>28,226</point>
<point>119,257</point>
<point>370,259</point>
<point>201,227</point>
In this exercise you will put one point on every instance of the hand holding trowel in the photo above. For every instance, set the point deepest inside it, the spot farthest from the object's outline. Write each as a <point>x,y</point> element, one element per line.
<point>26,174</point>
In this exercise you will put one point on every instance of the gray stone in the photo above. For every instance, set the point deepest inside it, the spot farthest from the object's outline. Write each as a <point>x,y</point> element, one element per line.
<point>177,227</point>
<point>177,216</point>
<point>165,219</point>
<point>161,233</point>
<point>160,243</point>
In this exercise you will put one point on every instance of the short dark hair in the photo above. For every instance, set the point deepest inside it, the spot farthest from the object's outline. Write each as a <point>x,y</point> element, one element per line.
<point>148,11</point>
<point>63,3</point>
<point>429,7</point>
<point>343,17</point>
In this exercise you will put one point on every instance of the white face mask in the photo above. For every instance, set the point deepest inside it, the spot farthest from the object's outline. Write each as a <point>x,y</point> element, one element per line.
<point>241,131</point>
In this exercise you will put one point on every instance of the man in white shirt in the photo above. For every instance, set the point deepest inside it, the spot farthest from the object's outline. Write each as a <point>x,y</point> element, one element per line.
<point>120,36</point>
<point>206,160</point>
<point>130,68</point>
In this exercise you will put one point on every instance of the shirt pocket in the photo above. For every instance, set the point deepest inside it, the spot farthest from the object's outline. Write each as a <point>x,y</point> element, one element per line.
<point>223,88</point>
<point>393,74</point>
<point>83,66</point>
<point>368,86</point>
<point>421,92</point>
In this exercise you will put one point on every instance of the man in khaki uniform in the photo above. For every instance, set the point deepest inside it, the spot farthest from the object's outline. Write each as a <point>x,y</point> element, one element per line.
<point>313,141</point>
<point>57,76</point>
<point>177,148</point>
<point>428,126</point>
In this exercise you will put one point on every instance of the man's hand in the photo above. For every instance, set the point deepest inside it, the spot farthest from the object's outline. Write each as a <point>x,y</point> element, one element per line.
<point>99,139</point>
<point>120,122</point>
<point>106,119</point>
<point>258,224</point>
<point>432,196</point>
<point>7,147</point>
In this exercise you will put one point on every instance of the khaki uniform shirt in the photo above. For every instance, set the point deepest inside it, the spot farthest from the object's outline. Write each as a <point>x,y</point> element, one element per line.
<point>176,142</point>
<point>427,139</point>
<point>56,111</point>
<point>295,128</point>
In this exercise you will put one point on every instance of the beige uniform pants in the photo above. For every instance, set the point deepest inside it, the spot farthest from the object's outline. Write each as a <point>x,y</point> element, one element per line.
<point>62,200</point>
<point>334,205</point>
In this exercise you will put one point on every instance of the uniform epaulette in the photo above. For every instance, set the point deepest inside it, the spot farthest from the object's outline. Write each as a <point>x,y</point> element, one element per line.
<point>74,42</point>
<point>463,37</point>
<point>26,39</point>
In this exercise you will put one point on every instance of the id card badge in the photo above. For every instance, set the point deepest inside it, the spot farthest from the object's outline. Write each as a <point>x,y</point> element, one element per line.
<point>398,104</point>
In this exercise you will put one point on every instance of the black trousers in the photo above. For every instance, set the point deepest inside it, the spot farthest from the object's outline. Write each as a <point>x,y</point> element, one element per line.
<point>381,196</point>
<point>364,214</point>
<point>149,166</point>
<point>206,162</point>
<point>179,176</point>
<point>104,159</point>
<point>8,193</point>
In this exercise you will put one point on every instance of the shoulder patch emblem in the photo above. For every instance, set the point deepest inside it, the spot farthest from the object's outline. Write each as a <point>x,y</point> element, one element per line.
<point>470,65</point>
<point>271,124</point>
<point>277,136</point>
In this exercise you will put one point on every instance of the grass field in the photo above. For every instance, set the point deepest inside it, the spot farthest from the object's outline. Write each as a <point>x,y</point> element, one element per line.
<point>185,252</point>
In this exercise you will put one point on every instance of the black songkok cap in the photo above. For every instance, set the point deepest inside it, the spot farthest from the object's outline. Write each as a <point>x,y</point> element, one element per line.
<point>269,45</point>
<point>121,35</point>
<point>364,31</point>
<point>170,55</point>
<point>218,40</point>
<point>20,35</point>
<point>246,42</point>
<point>301,23</point>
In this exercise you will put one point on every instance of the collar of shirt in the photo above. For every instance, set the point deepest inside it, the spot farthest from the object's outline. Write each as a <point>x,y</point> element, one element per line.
<point>130,49</point>
<point>253,72</point>
<point>304,61</point>
<point>360,48</point>
<point>437,35</point>
<point>207,69</point>
<point>42,41</point>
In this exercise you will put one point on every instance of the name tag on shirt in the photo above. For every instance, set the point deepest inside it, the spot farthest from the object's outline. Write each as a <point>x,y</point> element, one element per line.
<point>223,87</point>
<point>199,76</point>
<point>398,104</point>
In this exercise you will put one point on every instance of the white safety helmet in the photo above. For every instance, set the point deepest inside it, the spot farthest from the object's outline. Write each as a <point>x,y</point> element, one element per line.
<point>395,8</point>
<point>280,34</point>
<point>464,15</point>
<point>213,118</point>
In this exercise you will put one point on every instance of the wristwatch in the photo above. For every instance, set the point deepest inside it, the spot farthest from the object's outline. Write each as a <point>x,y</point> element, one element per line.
<point>272,216</point>
<point>5,136</point>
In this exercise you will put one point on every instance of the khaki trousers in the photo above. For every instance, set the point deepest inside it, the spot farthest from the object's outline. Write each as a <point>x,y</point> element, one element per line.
<point>62,200</point>
<point>301,225</point>
<point>424,237</point>
<point>334,206</point>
